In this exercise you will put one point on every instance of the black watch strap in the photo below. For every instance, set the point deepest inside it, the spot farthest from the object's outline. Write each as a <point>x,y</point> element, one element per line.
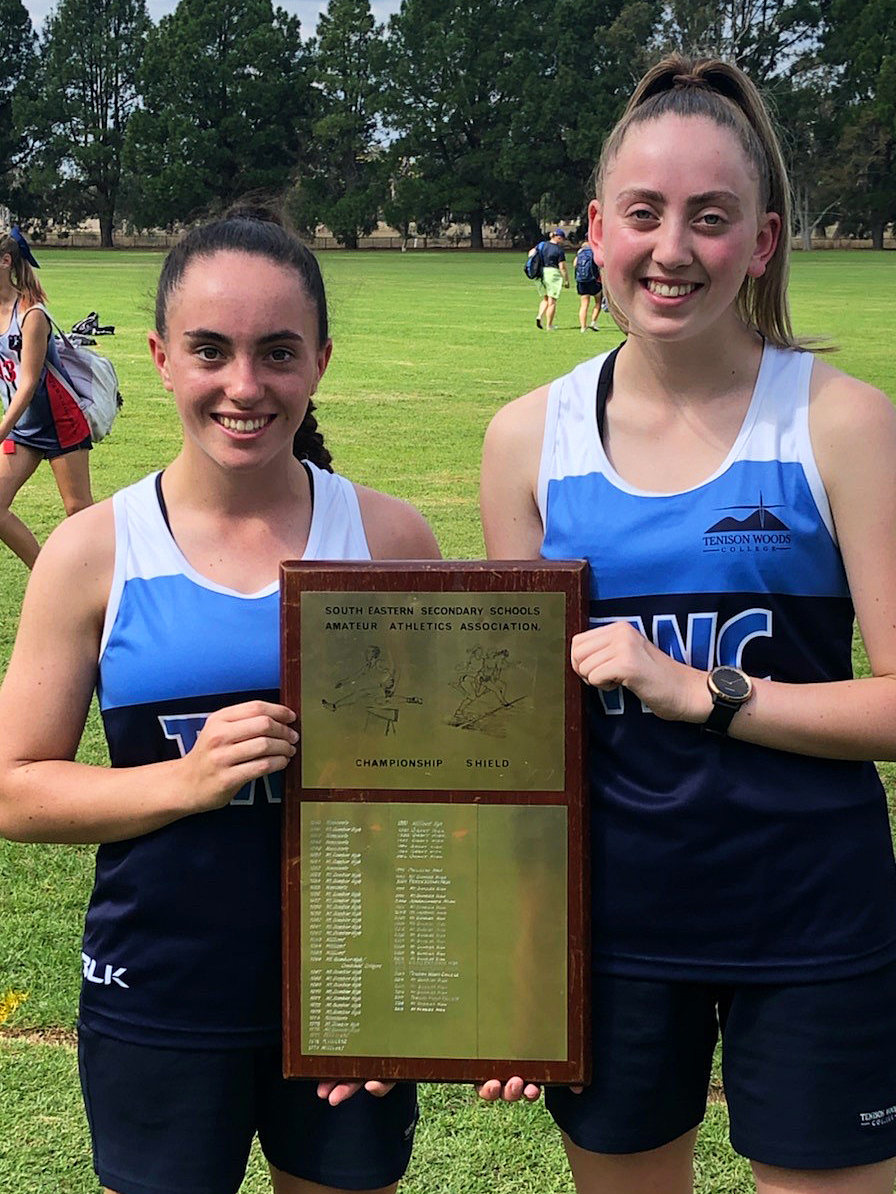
<point>720,719</point>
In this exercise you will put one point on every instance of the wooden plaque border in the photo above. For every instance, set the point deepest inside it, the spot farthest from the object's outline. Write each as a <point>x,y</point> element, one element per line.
<point>457,577</point>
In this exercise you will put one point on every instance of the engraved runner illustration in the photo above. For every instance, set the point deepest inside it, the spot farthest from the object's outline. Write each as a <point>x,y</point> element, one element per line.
<point>372,687</point>
<point>484,689</point>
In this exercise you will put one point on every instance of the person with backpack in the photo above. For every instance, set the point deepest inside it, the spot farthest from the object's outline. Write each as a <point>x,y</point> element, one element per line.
<point>552,277</point>
<point>588,285</point>
<point>41,419</point>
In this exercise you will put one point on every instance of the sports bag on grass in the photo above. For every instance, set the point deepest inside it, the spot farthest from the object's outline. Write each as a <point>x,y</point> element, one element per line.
<point>91,380</point>
<point>534,266</point>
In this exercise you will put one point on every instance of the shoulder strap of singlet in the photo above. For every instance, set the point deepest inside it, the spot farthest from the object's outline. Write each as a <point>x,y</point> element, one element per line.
<point>604,384</point>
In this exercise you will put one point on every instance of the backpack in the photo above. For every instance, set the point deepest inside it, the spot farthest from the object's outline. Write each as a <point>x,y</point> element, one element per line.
<point>90,326</point>
<point>586,270</point>
<point>534,266</point>
<point>92,382</point>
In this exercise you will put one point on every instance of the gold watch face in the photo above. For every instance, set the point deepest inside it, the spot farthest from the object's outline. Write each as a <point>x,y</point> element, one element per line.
<point>730,684</point>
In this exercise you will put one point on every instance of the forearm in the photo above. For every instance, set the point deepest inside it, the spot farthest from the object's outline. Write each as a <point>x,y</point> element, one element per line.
<point>842,719</point>
<point>62,801</point>
<point>846,719</point>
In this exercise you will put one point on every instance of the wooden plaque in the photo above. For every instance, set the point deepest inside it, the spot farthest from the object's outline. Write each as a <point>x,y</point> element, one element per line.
<point>435,870</point>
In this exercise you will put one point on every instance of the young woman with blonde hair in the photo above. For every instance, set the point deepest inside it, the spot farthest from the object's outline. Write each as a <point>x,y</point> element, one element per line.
<point>735,497</point>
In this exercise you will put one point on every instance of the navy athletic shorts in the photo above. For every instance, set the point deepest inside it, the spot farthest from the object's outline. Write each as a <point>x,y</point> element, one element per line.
<point>809,1069</point>
<point>47,443</point>
<point>593,286</point>
<point>182,1120</point>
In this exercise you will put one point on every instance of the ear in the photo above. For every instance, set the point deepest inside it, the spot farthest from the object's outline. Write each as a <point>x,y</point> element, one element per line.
<point>596,230</point>
<point>160,359</point>
<point>766,242</point>
<point>323,359</point>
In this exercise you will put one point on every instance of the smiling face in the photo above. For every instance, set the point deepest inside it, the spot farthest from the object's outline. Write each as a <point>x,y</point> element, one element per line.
<point>679,227</point>
<point>241,356</point>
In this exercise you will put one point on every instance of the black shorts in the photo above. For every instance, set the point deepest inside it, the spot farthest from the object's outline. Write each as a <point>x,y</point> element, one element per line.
<point>48,445</point>
<point>182,1120</point>
<point>809,1069</point>
<point>592,287</point>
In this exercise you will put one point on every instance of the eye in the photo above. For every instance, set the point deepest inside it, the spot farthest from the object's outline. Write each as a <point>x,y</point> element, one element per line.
<point>282,354</point>
<point>208,352</point>
<point>641,214</point>
<point>711,219</point>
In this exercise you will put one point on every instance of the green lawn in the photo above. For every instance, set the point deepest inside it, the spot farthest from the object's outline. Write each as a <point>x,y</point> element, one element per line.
<point>427,347</point>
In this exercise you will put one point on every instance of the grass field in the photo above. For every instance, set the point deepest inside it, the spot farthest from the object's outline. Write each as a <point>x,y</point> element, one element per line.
<point>427,347</point>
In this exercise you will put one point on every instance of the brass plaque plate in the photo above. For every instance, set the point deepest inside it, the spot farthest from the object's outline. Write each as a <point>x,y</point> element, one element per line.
<point>434,930</point>
<point>433,691</point>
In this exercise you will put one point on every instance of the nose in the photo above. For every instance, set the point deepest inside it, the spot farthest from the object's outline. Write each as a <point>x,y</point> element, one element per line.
<point>672,249</point>
<point>243,380</point>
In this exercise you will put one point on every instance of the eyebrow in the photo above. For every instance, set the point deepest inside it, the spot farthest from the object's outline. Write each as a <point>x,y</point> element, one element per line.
<point>219,338</point>
<point>728,197</point>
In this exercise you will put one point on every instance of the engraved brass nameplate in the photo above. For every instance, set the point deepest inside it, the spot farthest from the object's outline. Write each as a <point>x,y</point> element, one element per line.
<point>420,690</point>
<point>453,887</point>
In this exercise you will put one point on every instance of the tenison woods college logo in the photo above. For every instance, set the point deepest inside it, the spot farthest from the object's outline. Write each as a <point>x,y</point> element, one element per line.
<point>760,530</point>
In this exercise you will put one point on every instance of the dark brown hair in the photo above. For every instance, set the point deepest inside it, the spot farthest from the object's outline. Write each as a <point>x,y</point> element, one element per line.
<point>259,232</point>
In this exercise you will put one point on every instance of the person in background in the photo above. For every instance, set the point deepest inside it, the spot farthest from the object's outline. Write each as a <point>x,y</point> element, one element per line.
<point>588,286</point>
<point>41,420</point>
<point>554,277</point>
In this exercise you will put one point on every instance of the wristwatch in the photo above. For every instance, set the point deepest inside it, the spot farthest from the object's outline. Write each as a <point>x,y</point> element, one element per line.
<point>730,688</point>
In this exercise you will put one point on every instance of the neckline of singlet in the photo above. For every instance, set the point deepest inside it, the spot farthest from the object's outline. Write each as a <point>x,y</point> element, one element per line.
<point>206,582</point>
<point>602,397</point>
<point>163,506</point>
<point>12,316</point>
<point>15,318</point>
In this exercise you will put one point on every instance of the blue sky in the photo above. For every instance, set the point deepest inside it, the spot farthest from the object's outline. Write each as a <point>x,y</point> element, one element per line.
<point>306,10</point>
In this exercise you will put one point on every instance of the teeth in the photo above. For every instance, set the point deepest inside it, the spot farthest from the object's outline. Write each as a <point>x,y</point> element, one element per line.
<point>241,424</point>
<point>671,291</point>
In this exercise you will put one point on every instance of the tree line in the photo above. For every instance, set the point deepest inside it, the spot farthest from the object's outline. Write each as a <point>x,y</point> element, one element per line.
<point>456,111</point>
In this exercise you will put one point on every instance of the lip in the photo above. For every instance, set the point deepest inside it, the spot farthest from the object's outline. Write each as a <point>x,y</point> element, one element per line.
<point>671,284</point>
<point>241,425</point>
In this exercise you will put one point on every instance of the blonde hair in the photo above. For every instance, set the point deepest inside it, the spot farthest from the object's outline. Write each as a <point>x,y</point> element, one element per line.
<point>22,275</point>
<point>722,93</point>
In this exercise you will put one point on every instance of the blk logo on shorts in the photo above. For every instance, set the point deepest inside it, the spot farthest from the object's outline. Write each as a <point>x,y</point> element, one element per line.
<point>103,976</point>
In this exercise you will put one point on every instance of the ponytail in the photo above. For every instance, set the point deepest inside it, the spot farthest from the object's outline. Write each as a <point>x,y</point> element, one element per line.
<point>308,443</point>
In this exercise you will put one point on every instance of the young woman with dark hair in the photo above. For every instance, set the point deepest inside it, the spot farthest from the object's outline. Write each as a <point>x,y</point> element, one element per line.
<point>171,610</point>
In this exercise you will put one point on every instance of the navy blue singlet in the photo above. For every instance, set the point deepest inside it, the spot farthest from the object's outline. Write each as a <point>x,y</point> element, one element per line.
<point>182,940</point>
<point>715,859</point>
